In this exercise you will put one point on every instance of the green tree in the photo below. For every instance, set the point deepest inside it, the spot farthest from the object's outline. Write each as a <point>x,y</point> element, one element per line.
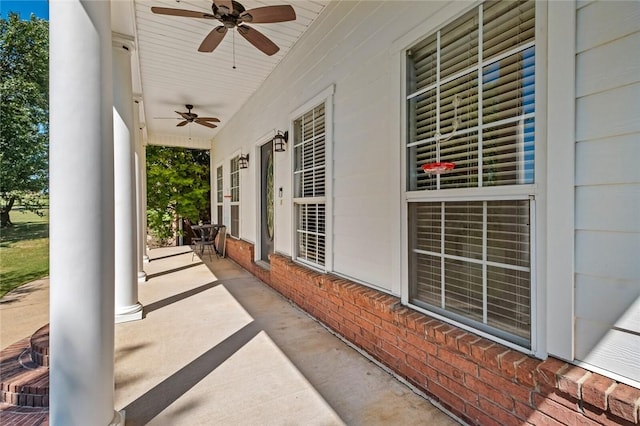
<point>177,187</point>
<point>24,113</point>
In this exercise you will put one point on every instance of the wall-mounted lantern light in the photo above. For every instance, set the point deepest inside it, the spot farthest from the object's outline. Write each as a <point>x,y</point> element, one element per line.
<point>243,161</point>
<point>280,141</point>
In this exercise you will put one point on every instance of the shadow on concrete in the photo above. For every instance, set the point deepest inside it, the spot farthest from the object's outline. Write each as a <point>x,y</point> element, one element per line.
<point>24,290</point>
<point>124,352</point>
<point>170,255</point>
<point>171,271</point>
<point>149,405</point>
<point>178,297</point>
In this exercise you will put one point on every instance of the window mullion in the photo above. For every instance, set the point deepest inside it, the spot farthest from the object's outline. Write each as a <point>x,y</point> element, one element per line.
<point>444,81</point>
<point>313,149</point>
<point>437,100</point>
<point>509,53</point>
<point>480,83</point>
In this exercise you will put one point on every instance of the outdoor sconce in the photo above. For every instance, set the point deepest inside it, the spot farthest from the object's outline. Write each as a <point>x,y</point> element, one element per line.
<point>280,141</point>
<point>243,161</point>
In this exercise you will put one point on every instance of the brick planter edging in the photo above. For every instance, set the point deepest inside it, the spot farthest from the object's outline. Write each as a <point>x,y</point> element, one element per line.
<point>478,380</point>
<point>22,382</point>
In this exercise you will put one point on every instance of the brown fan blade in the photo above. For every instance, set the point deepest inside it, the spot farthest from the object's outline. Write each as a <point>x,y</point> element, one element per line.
<point>228,4</point>
<point>204,123</point>
<point>215,120</point>
<point>269,14</point>
<point>182,123</point>
<point>213,39</point>
<point>181,12</point>
<point>183,114</point>
<point>258,39</point>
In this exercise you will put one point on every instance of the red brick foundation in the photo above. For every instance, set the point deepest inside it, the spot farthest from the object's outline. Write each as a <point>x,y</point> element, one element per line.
<point>242,253</point>
<point>480,381</point>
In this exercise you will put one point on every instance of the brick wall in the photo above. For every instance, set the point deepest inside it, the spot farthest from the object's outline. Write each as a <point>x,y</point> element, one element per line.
<point>242,253</point>
<point>480,381</point>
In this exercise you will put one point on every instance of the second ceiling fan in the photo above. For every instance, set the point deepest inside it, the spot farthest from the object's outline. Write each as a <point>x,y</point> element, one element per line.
<point>233,15</point>
<point>192,117</point>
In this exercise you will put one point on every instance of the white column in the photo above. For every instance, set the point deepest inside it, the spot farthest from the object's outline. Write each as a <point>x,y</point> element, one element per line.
<point>81,215</point>
<point>140,190</point>
<point>127,307</point>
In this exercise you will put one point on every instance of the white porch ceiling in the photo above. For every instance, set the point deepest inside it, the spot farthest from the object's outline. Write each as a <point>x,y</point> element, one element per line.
<point>173,73</point>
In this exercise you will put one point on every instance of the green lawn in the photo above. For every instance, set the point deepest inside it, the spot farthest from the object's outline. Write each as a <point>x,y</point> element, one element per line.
<point>24,250</point>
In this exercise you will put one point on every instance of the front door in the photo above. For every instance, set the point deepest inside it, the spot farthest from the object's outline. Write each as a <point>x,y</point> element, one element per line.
<point>267,200</point>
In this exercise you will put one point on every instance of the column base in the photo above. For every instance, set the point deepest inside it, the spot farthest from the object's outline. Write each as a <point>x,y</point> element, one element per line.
<point>129,313</point>
<point>118,418</point>
<point>142,277</point>
<point>145,259</point>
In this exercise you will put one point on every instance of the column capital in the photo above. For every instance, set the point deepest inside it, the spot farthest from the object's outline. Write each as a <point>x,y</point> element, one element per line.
<point>123,41</point>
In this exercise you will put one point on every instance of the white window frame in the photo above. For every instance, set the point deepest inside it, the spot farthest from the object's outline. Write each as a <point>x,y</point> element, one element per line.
<point>326,97</point>
<point>233,203</point>
<point>536,192</point>
<point>219,185</point>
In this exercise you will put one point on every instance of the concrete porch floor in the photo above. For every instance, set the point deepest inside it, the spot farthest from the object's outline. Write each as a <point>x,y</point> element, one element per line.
<point>219,347</point>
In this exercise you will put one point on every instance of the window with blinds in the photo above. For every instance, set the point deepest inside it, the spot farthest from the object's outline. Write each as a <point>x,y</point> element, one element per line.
<point>309,176</point>
<point>219,194</point>
<point>486,60</point>
<point>471,259</point>
<point>470,99</point>
<point>234,179</point>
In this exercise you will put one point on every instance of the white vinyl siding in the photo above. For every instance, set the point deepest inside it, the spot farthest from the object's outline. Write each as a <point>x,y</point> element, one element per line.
<point>607,192</point>
<point>470,89</point>
<point>309,177</point>
<point>234,179</point>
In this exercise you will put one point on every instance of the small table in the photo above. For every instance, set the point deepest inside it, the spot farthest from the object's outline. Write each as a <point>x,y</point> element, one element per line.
<point>208,234</point>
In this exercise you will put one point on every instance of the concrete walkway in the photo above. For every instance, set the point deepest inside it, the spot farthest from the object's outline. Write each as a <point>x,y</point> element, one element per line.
<point>219,347</point>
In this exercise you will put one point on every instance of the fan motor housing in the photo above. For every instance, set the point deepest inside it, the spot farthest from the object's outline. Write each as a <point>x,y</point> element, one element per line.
<point>237,10</point>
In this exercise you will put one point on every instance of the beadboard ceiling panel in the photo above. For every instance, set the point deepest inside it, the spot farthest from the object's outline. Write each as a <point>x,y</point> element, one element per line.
<point>173,73</point>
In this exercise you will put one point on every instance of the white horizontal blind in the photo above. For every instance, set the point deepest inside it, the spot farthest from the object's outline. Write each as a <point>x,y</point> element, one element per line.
<point>219,197</point>
<point>311,233</point>
<point>494,81</point>
<point>219,194</point>
<point>309,154</point>
<point>471,260</point>
<point>310,185</point>
<point>235,196</point>
<point>483,249</point>
<point>219,184</point>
